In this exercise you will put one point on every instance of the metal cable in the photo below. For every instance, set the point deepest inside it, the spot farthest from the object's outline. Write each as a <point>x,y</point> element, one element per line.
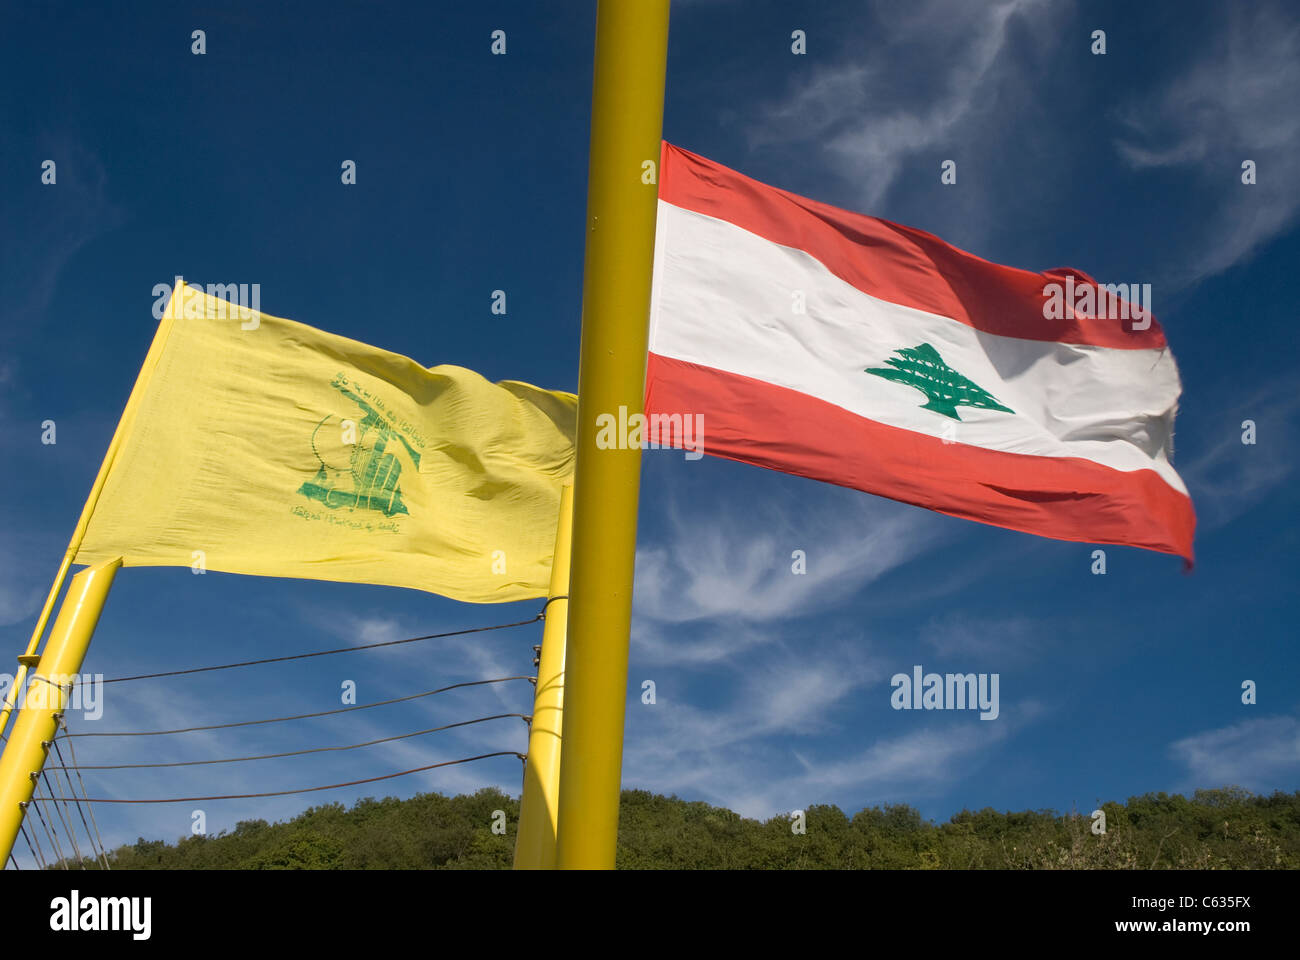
<point>73,753</point>
<point>328,786</point>
<point>321,653</point>
<point>72,836</point>
<point>99,855</point>
<point>298,753</point>
<point>37,800</point>
<point>300,716</point>
<point>37,854</point>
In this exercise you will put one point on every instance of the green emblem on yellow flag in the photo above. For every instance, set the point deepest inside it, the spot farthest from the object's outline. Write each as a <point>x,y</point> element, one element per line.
<point>369,477</point>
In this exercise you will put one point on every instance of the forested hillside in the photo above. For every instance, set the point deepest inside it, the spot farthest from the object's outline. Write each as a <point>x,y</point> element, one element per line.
<point>1228,828</point>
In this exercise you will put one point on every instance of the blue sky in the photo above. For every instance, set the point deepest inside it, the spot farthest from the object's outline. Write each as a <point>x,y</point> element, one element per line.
<point>772,689</point>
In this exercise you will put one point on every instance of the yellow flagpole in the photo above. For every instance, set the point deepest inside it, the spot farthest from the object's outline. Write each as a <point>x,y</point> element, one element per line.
<point>47,695</point>
<point>622,194</point>
<point>74,544</point>
<point>538,807</point>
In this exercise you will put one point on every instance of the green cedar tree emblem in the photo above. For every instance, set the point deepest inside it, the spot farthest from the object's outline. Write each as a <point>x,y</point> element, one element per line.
<point>922,367</point>
<point>369,479</point>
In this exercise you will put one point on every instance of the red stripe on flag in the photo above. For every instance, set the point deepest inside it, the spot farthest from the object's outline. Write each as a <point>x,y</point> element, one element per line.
<point>899,264</point>
<point>1067,498</point>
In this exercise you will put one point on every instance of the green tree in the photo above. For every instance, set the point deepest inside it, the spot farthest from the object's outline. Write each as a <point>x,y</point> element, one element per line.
<point>1229,828</point>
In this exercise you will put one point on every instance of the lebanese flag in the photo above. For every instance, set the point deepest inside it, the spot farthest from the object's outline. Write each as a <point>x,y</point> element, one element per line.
<point>853,350</point>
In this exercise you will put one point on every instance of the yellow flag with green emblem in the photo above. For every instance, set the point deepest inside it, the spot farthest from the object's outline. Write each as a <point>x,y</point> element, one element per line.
<point>257,445</point>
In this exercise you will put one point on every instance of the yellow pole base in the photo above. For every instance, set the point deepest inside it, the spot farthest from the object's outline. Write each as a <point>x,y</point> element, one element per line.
<point>47,694</point>
<point>539,807</point>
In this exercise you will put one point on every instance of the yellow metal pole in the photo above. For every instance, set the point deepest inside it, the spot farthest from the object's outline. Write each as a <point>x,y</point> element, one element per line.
<point>626,127</point>
<point>123,427</point>
<point>47,695</point>
<point>30,653</point>
<point>539,805</point>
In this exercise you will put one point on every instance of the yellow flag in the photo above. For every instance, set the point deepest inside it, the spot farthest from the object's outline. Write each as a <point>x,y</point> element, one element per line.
<point>262,446</point>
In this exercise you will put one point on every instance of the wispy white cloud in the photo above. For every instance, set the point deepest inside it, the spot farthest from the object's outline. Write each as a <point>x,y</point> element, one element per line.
<point>1229,477</point>
<point>80,209</point>
<point>932,756</point>
<point>23,585</point>
<point>674,745</point>
<point>967,93</point>
<point>1012,638</point>
<point>1258,754</point>
<point>739,566</point>
<point>865,124</point>
<point>716,596</point>
<point>1234,102</point>
<point>698,645</point>
<point>732,757</point>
